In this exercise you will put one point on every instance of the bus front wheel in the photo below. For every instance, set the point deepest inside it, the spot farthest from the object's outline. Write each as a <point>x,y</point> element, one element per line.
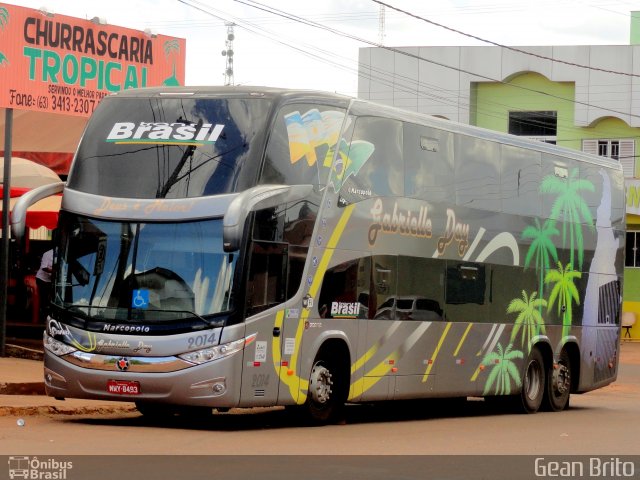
<point>559,384</point>
<point>325,399</point>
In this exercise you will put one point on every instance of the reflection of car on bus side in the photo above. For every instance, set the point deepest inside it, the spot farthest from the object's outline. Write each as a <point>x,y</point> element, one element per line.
<point>410,307</point>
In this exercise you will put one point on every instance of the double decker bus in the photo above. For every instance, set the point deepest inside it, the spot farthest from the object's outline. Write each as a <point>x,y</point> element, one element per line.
<point>241,247</point>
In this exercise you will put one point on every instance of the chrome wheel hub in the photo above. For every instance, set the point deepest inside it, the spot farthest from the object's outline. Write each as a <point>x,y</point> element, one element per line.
<point>561,379</point>
<point>320,384</point>
<point>532,383</point>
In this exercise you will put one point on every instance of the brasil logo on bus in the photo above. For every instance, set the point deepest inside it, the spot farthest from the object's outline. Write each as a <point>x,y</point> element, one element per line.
<point>163,133</point>
<point>345,309</point>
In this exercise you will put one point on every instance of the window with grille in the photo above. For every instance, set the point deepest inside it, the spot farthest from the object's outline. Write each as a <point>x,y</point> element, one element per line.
<point>538,125</point>
<point>622,150</point>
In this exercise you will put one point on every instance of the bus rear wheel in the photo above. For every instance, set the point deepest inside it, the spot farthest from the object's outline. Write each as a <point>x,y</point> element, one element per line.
<point>533,383</point>
<point>558,387</point>
<point>326,396</point>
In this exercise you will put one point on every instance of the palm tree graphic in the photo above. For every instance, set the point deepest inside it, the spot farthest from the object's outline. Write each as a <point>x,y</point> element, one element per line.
<point>529,318</point>
<point>564,292</point>
<point>542,248</point>
<point>171,46</point>
<point>571,207</point>
<point>503,371</point>
<point>4,20</point>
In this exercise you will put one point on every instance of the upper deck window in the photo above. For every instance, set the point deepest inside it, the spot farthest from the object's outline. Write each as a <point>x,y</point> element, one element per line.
<point>170,147</point>
<point>302,144</point>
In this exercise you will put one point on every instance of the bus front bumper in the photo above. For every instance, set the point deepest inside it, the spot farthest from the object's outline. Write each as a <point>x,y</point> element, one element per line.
<point>214,384</point>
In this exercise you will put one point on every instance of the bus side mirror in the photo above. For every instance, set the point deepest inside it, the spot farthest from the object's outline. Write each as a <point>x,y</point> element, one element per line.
<point>256,198</point>
<point>19,212</point>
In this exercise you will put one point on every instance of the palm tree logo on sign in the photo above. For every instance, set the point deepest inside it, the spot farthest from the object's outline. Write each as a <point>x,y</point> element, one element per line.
<point>171,46</point>
<point>4,21</point>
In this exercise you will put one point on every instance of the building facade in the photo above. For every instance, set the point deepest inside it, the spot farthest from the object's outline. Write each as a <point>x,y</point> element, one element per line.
<point>581,97</point>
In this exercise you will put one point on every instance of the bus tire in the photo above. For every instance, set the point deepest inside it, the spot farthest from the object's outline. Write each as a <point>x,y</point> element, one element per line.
<point>533,383</point>
<point>326,396</point>
<point>558,387</point>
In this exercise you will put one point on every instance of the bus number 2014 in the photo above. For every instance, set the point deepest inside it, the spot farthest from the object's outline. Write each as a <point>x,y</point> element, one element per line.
<point>202,340</point>
<point>260,380</point>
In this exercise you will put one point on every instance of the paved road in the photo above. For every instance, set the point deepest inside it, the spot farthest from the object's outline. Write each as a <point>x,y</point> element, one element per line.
<point>600,422</point>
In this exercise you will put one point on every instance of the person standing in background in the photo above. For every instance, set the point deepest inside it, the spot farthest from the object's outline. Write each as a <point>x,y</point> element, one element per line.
<point>43,280</point>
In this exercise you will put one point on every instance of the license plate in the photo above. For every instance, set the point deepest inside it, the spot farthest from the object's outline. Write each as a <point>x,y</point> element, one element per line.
<point>122,387</point>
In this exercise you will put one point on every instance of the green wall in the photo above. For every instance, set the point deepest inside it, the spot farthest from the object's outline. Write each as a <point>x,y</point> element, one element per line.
<point>494,101</point>
<point>634,36</point>
<point>631,283</point>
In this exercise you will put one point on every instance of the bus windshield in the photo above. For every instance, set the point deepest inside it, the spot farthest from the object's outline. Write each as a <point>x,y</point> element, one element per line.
<point>163,147</point>
<point>124,271</point>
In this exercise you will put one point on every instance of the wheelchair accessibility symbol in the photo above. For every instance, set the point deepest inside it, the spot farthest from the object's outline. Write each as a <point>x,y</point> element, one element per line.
<point>140,299</point>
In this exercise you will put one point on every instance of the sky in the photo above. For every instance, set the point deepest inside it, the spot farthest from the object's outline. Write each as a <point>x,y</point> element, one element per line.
<point>271,50</point>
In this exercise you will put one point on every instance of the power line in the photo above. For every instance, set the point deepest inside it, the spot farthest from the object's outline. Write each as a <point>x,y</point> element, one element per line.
<point>383,77</point>
<point>513,49</point>
<point>259,6</point>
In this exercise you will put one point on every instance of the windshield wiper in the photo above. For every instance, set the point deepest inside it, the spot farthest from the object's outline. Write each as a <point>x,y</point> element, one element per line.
<point>171,181</point>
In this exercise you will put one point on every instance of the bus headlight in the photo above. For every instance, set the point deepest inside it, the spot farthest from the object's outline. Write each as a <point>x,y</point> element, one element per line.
<point>57,347</point>
<point>213,353</point>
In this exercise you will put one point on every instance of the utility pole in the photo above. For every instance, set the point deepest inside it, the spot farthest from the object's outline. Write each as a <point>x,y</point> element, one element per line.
<point>381,25</point>
<point>228,53</point>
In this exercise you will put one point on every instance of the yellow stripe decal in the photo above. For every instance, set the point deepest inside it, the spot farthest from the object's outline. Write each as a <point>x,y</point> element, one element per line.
<point>373,376</point>
<point>374,349</point>
<point>435,354</point>
<point>297,386</point>
<point>365,358</point>
<point>328,253</point>
<point>464,336</point>
<point>476,373</point>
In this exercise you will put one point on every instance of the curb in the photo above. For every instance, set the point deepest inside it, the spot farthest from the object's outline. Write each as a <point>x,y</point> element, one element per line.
<point>29,388</point>
<point>29,411</point>
<point>17,351</point>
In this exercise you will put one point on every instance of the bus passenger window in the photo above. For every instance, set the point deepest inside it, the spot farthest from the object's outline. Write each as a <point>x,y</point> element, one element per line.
<point>468,292</point>
<point>520,172</point>
<point>466,283</point>
<point>302,144</point>
<point>421,291</point>
<point>300,218</point>
<point>345,290</point>
<point>477,173</point>
<point>267,225</point>
<point>428,162</point>
<point>375,167</point>
<point>385,286</point>
<point>266,284</point>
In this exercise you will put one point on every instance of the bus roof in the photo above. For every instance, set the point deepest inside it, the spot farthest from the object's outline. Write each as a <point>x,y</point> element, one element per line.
<point>284,94</point>
<point>241,91</point>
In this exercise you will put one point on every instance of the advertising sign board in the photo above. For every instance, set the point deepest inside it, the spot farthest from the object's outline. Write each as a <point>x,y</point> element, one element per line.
<point>60,64</point>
